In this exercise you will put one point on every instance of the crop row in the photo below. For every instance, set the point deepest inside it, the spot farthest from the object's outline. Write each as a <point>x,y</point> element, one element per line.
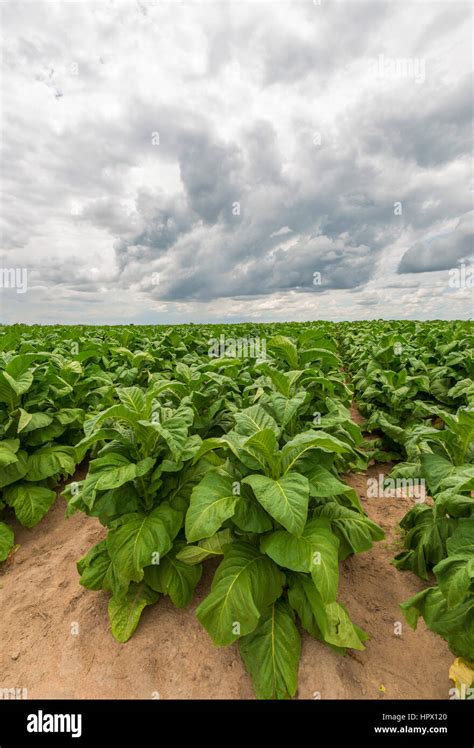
<point>230,443</point>
<point>414,383</point>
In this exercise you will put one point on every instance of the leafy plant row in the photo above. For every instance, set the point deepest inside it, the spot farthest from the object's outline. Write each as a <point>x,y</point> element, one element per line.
<point>196,457</point>
<point>416,388</point>
<point>225,459</point>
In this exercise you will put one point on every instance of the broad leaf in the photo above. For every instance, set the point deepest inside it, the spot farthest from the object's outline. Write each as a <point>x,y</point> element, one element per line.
<point>271,653</point>
<point>138,540</point>
<point>49,461</point>
<point>286,499</point>
<point>213,501</point>
<point>298,447</point>
<point>30,502</point>
<point>254,419</point>
<point>207,548</point>
<point>125,610</point>
<point>315,551</point>
<point>245,583</point>
<point>7,540</point>
<point>455,575</point>
<point>173,577</point>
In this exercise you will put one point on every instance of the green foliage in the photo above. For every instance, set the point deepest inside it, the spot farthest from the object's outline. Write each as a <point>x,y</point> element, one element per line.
<point>40,421</point>
<point>239,457</point>
<point>414,384</point>
<point>448,608</point>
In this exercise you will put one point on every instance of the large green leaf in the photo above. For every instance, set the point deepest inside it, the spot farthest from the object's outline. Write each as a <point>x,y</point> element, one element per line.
<point>319,354</point>
<point>84,445</point>
<point>329,622</point>
<point>249,515</point>
<point>113,504</point>
<point>263,446</point>
<point>132,398</point>
<point>306,601</point>
<point>207,548</point>
<point>464,432</point>
<point>325,562</point>
<point>117,470</point>
<point>286,499</point>
<point>315,551</point>
<point>174,432</point>
<point>213,501</point>
<point>30,502</point>
<point>455,575</point>
<point>125,609</point>
<point>32,421</point>
<point>173,577</point>
<point>12,388</point>
<point>93,567</point>
<point>301,444</point>
<point>462,539</point>
<point>49,461</point>
<point>341,631</point>
<point>137,540</point>
<point>271,653</point>
<point>8,450</point>
<point>99,572</point>
<point>117,412</point>
<point>323,483</point>
<point>254,419</point>
<point>435,468</point>
<point>283,409</point>
<point>15,471</point>
<point>7,540</point>
<point>286,349</point>
<point>187,478</point>
<point>355,530</point>
<point>283,380</point>
<point>245,583</point>
<point>455,624</point>
<point>425,540</point>
<point>19,364</point>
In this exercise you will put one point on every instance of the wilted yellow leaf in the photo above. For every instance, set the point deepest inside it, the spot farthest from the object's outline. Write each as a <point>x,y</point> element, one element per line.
<point>462,672</point>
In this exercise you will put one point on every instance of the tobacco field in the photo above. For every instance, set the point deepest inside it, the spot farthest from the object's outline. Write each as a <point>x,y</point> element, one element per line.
<point>229,445</point>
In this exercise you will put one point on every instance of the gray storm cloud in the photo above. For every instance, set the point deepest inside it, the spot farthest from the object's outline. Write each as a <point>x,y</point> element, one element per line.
<point>167,155</point>
<point>442,252</point>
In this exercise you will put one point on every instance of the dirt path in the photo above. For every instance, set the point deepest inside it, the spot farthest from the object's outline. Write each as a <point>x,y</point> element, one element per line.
<point>170,654</point>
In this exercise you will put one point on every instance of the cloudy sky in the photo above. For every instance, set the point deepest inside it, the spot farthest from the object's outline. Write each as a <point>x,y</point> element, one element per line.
<point>197,161</point>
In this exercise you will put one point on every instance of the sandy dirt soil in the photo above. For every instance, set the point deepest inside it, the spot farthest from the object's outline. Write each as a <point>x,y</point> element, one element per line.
<point>172,656</point>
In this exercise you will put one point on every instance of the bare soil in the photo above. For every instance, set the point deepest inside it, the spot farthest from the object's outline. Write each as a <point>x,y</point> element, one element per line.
<point>55,639</point>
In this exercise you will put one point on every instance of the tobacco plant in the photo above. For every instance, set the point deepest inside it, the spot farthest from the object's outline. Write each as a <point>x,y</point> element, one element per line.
<point>288,521</point>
